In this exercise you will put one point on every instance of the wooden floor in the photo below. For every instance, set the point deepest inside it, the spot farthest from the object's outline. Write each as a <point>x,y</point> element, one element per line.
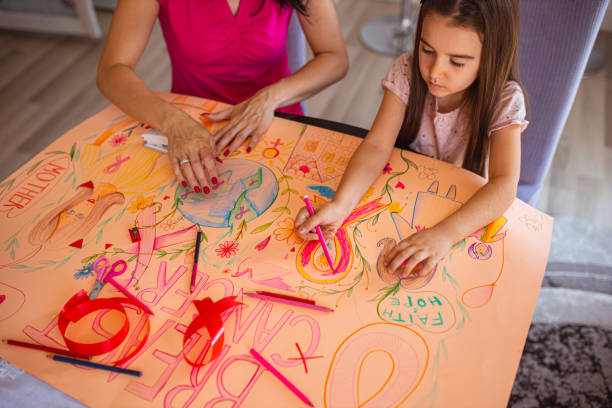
<point>47,86</point>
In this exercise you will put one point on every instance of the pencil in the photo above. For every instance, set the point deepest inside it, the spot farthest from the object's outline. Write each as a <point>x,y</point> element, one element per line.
<point>320,234</point>
<point>95,365</point>
<point>281,377</point>
<point>42,348</point>
<point>129,295</point>
<point>280,295</point>
<point>196,256</point>
<point>289,302</point>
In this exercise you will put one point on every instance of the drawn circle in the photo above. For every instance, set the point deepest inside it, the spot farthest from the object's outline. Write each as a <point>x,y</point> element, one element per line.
<point>405,347</point>
<point>480,251</point>
<point>319,271</point>
<point>246,189</point>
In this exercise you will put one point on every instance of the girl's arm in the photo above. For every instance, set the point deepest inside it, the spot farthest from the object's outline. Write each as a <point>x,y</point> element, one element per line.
<point>129,33</point>
<point>330,64</point>
<point>487,204</point>
<point>363,169</point>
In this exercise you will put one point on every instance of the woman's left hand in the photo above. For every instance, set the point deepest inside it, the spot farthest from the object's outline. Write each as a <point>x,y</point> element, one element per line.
<point>425,247</point>
<point>250,118</point>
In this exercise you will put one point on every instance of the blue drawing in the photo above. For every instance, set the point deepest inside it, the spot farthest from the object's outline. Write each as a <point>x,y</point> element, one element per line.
<point>323,191</point>
<point>246,189</point>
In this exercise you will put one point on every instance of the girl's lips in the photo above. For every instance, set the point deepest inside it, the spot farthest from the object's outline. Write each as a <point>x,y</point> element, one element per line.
<point>435,86</point>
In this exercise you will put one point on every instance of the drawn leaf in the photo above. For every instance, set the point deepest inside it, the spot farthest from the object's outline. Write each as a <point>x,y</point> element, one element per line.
<point>132,258</point>
<point>261,228</point>
<point>375,220</point>
<point>72,150</point>
<point>34,166</point>
<point>99,235</point>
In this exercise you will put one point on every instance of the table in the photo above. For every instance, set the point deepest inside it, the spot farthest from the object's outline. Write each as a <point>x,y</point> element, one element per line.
<point>452,338</point>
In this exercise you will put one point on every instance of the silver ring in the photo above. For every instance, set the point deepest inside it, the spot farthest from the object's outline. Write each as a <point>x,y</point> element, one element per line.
<point>184,161</point>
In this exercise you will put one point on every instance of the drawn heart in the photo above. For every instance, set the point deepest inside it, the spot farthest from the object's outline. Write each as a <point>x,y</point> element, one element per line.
<point>2,297</point>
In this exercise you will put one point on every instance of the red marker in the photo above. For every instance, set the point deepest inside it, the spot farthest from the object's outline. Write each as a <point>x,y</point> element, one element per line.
<point>320,234</point>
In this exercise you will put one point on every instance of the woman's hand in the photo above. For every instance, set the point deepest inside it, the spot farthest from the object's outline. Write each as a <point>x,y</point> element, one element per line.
<point>250,118</point>
<point>189,145</point>
<point>424,248</point>
<point>329,217</point>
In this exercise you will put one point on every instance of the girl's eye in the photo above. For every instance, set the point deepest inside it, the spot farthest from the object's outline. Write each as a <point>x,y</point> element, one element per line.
<point>426,51</point>
<point>457,64</point>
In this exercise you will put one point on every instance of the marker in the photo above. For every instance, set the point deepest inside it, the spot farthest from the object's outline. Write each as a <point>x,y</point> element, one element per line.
<point>289,302</point>
<point>281,377</point>
<point>196,256</point>
<point>282,296</point>
<point>95,365</point>
<point>320,234</point>
<point>42,348</point>
<point>127,294</point>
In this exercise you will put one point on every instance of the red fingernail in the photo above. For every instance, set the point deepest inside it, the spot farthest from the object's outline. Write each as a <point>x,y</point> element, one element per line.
<point>219,160</point>
<point>226,153</point>
<point>214,180</point>
<point>183,184</point>
<point>206,190</point>
<point>196,189</point>
<point>249,149</point>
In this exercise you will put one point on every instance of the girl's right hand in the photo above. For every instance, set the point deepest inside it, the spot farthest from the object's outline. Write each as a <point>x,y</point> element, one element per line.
<point>329,217</point>
<point>189,145</point>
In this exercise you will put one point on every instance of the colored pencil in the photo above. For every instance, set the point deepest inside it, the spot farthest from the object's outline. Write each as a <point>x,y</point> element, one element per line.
<point>129,295</point>
<point>281,377</point>
<point>282,296</point>
<point>320,234</point>
<point>95,365</point>
<point>289,302</point>
<point>42,348</point>
<point>196,256</point>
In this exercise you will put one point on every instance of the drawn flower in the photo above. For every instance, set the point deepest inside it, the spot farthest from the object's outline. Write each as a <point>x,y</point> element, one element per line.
<point>84,272</point>
<point>387,168</point>
<point>118,139</point>
<point>168,224</point>
<point>286,231</point>
<point>227,249</point>
<point>420,228</point>
<point>140,203</point>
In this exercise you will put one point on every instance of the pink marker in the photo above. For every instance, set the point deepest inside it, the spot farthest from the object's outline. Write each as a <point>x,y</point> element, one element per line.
<point>289,302</point>
<point>281,377</point>
<point>129,295</point>
<point>320,234</point>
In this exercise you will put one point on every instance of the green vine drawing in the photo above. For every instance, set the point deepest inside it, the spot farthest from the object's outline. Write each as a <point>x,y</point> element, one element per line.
<point>387,189</point>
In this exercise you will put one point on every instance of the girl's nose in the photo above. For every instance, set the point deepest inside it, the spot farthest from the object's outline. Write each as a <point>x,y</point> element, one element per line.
<point>436,69</point>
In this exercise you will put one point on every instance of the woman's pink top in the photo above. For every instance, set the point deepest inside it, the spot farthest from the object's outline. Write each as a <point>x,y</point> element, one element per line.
<point>444,135</point>
<point>228,58</point>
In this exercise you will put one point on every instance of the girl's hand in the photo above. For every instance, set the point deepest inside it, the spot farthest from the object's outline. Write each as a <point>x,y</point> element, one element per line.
<point>250,118</point>
<point>329,217</point>
<point>425,247</point>
<point>189,140</point>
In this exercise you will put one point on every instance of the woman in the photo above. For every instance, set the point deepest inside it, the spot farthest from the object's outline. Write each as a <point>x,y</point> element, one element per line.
<point>232,51</point>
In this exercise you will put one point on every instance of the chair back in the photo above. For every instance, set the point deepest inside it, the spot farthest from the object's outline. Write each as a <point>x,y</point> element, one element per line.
<point>296,48</point>
<point>556,38</point>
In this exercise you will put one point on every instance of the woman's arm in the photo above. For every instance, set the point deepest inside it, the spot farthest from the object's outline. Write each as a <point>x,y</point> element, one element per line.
<point>363,169</point>
<point>330,64</point>
<point>487,204</point>
<point>129,33</point>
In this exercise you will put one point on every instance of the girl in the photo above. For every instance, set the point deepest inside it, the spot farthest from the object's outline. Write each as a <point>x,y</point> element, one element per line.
<point>458,99</point>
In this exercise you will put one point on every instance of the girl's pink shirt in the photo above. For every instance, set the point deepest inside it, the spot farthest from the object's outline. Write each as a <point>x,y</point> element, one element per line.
<point>223,57</point>
<point>444,135</point>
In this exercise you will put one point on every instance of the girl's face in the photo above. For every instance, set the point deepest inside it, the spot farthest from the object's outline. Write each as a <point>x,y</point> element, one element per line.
<point>449,57</point>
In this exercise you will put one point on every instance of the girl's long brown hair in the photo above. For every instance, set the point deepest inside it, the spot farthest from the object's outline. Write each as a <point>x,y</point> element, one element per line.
<point>497,23</point>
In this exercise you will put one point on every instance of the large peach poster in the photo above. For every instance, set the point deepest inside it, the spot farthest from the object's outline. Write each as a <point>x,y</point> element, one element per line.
<point>452,338</point>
